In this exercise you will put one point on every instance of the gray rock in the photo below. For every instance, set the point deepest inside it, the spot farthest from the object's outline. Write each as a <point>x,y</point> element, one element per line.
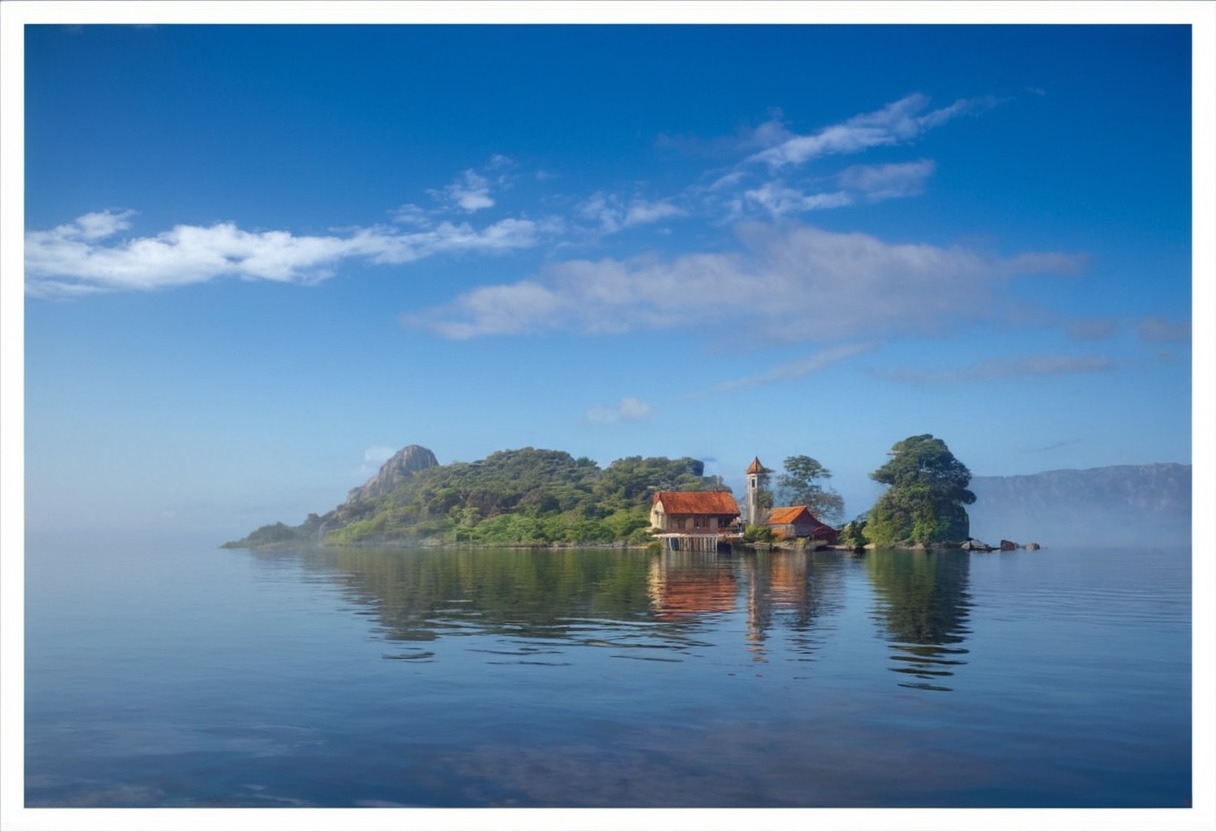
<point>404,463</point>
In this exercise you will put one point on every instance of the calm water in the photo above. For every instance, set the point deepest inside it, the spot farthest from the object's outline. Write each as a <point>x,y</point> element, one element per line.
<point>184,675</point>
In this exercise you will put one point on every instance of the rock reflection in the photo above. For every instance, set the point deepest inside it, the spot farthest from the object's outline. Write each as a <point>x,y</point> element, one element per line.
<point>924,605</point>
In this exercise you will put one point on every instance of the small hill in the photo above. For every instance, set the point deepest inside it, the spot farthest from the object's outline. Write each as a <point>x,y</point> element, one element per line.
<point>1114,505</point>
<point>525,496</point>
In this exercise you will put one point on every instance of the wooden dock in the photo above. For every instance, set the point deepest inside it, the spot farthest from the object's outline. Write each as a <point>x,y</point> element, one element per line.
<point>676,542</point>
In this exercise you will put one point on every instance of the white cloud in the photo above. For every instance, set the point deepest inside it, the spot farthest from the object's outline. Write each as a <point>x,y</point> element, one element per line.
<point>411,214</point>
<point>628,409</point>
<point>878,182</point>
<point>98,225</point>
<point>897,123</point>
<point>612,214</point>
<point>76,258</point>
<point>374,457</point>
<point>470,192</point>
<point>860,183</point>
<point>641,212</point>
<point>603,209</point>
<point>830,285</point>
<point>777,199</point>
<point>384,247</point>
<point>769,134</point>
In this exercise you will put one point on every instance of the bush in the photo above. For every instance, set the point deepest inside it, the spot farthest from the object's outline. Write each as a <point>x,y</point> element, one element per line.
<point>758,534</point>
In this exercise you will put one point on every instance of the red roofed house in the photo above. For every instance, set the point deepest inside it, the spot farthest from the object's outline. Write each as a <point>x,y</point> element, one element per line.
<point>693,512</point>
<point>788,522</point>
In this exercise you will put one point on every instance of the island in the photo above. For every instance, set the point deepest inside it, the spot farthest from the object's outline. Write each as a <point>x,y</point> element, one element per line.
<point>538,497</point>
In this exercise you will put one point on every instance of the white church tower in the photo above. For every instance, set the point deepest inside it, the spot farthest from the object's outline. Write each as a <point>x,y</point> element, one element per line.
<point>754,514</point>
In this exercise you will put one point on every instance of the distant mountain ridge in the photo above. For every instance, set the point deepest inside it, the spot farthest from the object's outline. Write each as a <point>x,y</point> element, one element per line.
<point>1128,504</point>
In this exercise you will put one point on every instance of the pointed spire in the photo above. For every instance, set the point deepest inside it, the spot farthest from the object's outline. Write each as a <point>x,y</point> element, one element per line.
<point>755,467</point>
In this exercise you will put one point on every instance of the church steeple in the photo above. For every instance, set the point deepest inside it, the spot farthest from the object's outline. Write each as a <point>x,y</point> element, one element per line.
<point>754,472</point>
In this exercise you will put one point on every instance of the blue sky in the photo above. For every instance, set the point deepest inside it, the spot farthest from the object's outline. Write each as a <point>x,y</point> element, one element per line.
<point>260,259</point>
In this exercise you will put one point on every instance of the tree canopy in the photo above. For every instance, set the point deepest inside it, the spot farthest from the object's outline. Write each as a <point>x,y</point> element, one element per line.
<point>525,496</point>
<point>800,485</point>
<point>924,504</point>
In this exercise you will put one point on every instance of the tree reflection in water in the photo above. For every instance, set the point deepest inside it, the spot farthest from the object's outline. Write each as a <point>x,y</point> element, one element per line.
<point>923,605</point>
<point>792,589</point>
<point>593,597</point>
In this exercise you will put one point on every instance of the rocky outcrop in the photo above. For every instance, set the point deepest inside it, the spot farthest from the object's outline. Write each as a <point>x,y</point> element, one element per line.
<point>403,464</point>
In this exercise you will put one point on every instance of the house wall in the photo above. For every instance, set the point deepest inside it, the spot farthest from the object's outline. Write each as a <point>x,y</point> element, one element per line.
<point>691,523</point>
<point>788,531</point>
<point>658,517</point>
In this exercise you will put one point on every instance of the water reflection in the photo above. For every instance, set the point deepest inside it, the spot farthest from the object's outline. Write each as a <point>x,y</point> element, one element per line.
<point>686,585</point>
<point>645,605</point>
<point>923,605</point>
<point>794,590</point>
<point>652,606</point>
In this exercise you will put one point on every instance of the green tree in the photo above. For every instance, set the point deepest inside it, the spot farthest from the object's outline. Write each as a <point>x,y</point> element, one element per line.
<point>853,534</point>
<point>758,534</point>
<point>800,485</point>
<point>927,494</point>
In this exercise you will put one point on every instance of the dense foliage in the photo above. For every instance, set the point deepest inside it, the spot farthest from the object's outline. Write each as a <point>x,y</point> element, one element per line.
<point>801,485</point>
<point>853,534</point>
<point>758,534</point>
<point>527,496</point>
<point>924,504</point>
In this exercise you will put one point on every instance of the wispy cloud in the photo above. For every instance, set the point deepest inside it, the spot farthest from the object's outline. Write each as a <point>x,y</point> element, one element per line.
<point>1004,368</point>
<point>777,199</point>
<point>612,214</point>
<point>835,284</point>
<point>470,192</point>
<point>500,162</point>
<point>878,182</point>
<point>857,184</point>
<point>897,123</point>
<point>374,457</point>
<point>1156,328</point>
<point>1093,329</point>
<point>790,371</point>
<point>90,255</point>
<point>77,257</point>
<point>628,409</point>
<point>411,214</point>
